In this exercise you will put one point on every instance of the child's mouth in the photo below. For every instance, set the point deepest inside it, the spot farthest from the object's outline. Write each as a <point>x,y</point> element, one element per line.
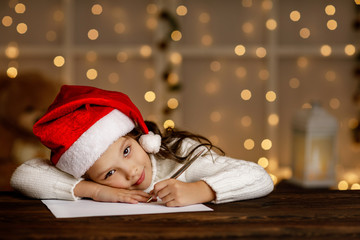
<point>141,179</point>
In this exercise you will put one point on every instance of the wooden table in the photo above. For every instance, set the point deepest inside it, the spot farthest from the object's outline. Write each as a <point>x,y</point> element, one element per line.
<point>289,212</point>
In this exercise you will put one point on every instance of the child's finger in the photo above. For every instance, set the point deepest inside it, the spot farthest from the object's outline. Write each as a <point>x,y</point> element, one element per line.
<point>163,193</point>
<point>167,199</point>
<point>158,186</point>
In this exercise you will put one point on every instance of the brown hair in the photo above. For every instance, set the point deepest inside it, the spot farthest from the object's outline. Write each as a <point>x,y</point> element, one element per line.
<point>171,140</point>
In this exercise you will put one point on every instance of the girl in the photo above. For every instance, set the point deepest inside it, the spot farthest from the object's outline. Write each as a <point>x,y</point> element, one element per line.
<point>102,149</point>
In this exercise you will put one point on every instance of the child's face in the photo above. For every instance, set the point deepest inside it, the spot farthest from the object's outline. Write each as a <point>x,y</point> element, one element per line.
<point>124,165</point>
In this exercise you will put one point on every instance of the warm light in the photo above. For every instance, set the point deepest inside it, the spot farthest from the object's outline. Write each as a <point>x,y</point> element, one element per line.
<point>274,178</point>
<point>122,57</point>
<point>260,52</point>
<point>295,16</point>
<point>181,10</point>
<point>248,27</point>
<point>21,28</point>
<point>249,144</point>
<point>271,24</point>
<point>264,74</point>
<point>264,162</point>
<point>173,103</point>
<point>169,124</point>
<point>96,9</point>
<point>12,51</point>
<point>176,58</point>
<point>304,33</point>
<point>330,76</point>
<point>93,34</point>
<point>51,36</point>
<point>173,79</point>
<point>149,73</point>
<point>119,28</point>
<point>113,78</point>
<point>145,51</point>
<point>246,3</point>
<point>206,40</point>
<point>91,56</point>
<point>240,50</point>
<point>246,121</point>
<point>273,119</point>
<point>357,2</point>
<point>302,62</point>
<point>212,87</point>
<point>270,96</point>
<point>150,96</point>
<point>351,177</point>
<point>151,23</point>
<point>7,21</point>
<point>267,4</point>
<point>59,61</point>
<point>334,103</point>
<point>12,72</point>
<point>245,94</point>
<point>20,8</point>
<point>58,16</point>
<point>325,50</point>
<point>343,185</point>
<point>204,17</point>
<point>152,8</point>
<point>306,106</point>
<point>273,165</point>
<point>355,186</point>
<point>91,74</point>
<point>215,66</point>
<point>294,83</point>
<point>330,10</point>
<point>353,123</point>
<point>215,116</point>
<point>350,50</point>
<point>240,72</point>
<point>331,24</point>
<point>266,144</point>
<point>176,35</point>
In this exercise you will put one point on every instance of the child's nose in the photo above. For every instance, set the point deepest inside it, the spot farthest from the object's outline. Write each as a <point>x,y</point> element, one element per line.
<point>131,172</point>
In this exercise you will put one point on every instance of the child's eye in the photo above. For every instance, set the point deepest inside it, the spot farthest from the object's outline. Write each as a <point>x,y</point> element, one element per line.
<point>109,174</point>
<point>127,151</point>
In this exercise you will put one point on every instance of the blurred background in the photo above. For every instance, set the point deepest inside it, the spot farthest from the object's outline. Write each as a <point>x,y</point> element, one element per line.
<point>235,71</point>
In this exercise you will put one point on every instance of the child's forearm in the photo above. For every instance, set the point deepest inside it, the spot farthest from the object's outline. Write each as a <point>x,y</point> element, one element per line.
<point>86,189</point>
<point>204,192</point>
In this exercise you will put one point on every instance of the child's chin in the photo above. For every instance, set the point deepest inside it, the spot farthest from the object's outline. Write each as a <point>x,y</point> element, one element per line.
<point>144,186</point>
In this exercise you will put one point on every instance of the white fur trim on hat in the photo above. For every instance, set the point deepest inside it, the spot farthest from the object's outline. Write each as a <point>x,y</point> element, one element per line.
<point>150,142</point>
<point>93,142</point>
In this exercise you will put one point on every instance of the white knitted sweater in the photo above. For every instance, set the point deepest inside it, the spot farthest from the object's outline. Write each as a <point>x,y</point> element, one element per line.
<point>231,179</point>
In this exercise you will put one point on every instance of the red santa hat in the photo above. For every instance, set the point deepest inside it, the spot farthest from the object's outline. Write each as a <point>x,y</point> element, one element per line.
<point>83,122</point>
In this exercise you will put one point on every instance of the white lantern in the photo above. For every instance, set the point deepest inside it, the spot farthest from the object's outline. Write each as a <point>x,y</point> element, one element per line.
<point>314,148</point>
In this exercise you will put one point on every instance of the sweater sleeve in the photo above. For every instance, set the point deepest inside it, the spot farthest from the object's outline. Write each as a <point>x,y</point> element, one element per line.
<point>231,179</point>
<point>238,180</point>
<point>38,178</point>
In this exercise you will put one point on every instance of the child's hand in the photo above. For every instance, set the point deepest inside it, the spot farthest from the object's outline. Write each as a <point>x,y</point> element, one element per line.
<point>175,193</point>
<point>110,194</point>
<point>104,193</point>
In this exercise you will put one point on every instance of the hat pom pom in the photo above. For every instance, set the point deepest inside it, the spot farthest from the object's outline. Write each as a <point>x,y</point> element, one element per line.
<point>150,142</point>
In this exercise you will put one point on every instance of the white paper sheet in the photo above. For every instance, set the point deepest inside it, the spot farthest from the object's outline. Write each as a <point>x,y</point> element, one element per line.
<point>89,208</point>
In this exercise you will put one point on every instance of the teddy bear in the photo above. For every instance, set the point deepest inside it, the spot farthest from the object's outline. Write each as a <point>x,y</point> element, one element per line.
<point>23,100</point>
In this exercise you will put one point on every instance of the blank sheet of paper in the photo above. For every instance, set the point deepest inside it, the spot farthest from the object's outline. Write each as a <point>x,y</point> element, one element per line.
<point>89,208</point>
